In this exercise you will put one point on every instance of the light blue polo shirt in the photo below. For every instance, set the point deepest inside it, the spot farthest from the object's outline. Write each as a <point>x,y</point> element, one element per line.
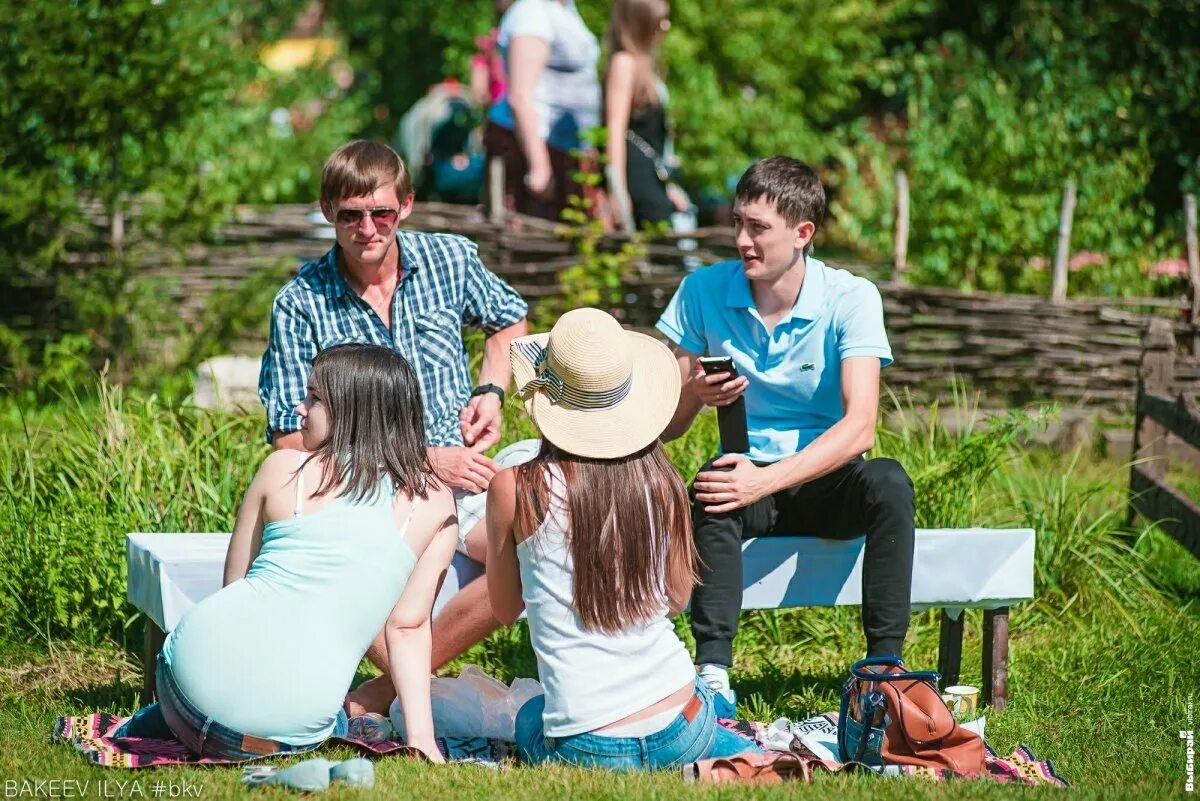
<point>795,391</point>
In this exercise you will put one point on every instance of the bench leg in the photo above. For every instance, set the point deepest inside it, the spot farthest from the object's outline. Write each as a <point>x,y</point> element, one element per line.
<point>950,648</point>
<point>154,644</point>
<point>995,658</point>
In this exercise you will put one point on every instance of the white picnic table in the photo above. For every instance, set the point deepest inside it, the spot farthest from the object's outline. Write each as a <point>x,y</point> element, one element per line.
<point>953,569</point>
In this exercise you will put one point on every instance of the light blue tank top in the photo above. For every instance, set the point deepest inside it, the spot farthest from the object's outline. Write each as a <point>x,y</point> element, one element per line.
<point>273,654</point>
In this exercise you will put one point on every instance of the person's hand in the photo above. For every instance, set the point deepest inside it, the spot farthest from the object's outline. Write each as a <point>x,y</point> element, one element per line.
<point>678,198</point>
<point>430,750</point>
<point>538,179</point>
<point>479,422</point>
<point>729,489</point>
<point>717,389</point>
<point>463,468</point>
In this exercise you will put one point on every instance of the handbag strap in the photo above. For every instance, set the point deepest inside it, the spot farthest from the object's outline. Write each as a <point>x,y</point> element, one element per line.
<point>900,672</point>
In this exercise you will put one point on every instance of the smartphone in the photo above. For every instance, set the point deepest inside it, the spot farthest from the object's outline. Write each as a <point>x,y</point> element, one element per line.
<point>718,364</point>
<point>731,419</point>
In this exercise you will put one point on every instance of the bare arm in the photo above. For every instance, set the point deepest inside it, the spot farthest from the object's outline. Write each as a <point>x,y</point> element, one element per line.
<point>287,440</point>
<point>407,633</point>
<point>503,569</point>
<point>527,58</point>
<point>618,101</point>
<point>480,419</point>
<point>495,368</point>
<point>689,402</point>
<point>681,578</point>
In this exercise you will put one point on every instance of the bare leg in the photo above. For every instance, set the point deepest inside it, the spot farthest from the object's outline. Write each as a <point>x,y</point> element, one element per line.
<point>465,620</point>
<point>373,695</point>
<point>467,617</point>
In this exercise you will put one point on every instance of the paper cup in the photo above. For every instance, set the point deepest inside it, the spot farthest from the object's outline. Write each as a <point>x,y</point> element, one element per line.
<point>962,700</point>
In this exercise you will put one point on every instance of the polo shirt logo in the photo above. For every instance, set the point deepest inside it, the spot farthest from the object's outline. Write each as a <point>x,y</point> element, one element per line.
<point>804,368</point>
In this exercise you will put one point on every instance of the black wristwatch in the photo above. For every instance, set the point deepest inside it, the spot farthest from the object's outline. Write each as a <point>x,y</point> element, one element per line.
<point>484,389</point>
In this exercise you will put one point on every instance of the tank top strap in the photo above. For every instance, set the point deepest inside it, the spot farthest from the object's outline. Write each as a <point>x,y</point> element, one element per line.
<point>299,509</point>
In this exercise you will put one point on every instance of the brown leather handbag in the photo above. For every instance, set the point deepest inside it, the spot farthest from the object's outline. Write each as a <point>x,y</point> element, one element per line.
<point>893,716</point>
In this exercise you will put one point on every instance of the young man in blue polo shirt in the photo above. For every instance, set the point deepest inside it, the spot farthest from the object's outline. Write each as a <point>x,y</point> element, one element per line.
<point>808,342</point>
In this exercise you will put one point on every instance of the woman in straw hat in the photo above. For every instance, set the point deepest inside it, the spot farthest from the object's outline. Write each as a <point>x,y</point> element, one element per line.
<point>593,540</point>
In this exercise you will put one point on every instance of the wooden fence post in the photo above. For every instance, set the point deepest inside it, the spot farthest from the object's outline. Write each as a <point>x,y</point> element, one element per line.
<point>1193,259</point>
<point>900,253</point>
<point>1156,374</point>
<point>1058,287</point>
<point>496,191</point>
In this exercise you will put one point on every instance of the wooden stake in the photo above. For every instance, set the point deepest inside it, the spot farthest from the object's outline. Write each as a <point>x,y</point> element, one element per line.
<point>900,254</point>
<point>496,191</point>
<point>1193,259</point>
<point>1058,289</point>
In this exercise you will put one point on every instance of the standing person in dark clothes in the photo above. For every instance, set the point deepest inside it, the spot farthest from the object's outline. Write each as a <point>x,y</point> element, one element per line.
<point>640,153</point>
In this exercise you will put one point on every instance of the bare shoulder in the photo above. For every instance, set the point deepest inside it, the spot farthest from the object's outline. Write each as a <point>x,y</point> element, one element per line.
<point>622,64</point>
<point>278,469</point>
<point>430,515</point>
<point>504,482</point>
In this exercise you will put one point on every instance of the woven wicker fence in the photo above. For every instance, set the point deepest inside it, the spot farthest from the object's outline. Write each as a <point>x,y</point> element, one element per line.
<point>1013,348</point>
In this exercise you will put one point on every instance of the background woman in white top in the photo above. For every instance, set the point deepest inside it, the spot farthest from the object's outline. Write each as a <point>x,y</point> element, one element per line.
<point>593,540</point>
<point>552,97</point>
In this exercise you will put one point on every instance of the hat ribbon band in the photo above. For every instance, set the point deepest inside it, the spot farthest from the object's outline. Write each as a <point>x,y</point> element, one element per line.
<point>558,391</point>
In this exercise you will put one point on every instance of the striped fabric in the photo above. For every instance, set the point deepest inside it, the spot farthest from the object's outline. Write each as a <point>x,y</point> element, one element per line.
<point>444,286</point>
<point>559,391</point>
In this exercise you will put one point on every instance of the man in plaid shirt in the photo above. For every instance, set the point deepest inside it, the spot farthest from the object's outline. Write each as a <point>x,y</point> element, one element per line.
<point>412,292</point>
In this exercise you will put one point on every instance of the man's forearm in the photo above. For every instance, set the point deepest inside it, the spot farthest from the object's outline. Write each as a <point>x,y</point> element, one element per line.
<point>495,367</point>
<point>685,414</point>
<point>846,440</point>
<point>287,440</point>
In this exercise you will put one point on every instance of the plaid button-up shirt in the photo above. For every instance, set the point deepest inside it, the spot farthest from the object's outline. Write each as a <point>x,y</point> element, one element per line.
<point>443,287</point>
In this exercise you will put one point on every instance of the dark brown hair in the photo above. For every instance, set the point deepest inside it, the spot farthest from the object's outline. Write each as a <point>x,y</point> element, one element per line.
<point>631,29</point>
<point>359,168</point>
<point>376,422</point>
<point>788,184</point>
<point>629,528</point>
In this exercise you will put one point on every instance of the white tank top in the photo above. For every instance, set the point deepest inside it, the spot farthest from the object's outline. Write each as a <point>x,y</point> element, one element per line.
<point>591,678</point>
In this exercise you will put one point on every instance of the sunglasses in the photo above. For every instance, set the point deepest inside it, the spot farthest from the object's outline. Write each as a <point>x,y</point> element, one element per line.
<point>383,217</point>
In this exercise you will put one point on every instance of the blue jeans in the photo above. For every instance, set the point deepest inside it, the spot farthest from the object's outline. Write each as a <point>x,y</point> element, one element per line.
<point>174,717</point>
<point>690,736</point>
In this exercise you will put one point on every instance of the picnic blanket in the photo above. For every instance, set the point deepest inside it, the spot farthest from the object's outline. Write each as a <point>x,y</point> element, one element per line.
<point>815,740</point>
<point>89,735</point>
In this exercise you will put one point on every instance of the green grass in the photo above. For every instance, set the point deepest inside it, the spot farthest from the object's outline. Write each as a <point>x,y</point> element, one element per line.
<point>1100,670</point>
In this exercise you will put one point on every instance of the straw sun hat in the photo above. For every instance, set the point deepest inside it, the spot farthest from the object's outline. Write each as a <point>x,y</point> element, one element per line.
<point>594,389</point>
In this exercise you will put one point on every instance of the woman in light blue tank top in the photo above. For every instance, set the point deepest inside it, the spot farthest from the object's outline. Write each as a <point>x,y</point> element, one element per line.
<point>593,540</point>
<point>331,545</point>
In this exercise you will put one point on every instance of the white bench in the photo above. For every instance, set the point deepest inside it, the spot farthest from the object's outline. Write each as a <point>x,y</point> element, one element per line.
<point>953,569</point>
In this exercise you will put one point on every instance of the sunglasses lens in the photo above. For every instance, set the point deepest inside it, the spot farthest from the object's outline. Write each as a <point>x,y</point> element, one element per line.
<point>348,217</point>
<point>384,218</point>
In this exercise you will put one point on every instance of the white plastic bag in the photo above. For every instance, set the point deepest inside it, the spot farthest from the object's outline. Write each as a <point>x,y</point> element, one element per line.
<point>473,704</point>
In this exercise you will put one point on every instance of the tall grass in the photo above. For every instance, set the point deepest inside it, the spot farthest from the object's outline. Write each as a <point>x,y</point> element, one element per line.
<point>75,478</point>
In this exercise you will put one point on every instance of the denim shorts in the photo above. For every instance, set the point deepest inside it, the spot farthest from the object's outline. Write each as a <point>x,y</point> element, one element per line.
<point>175,715</point>
<point>694,734</point>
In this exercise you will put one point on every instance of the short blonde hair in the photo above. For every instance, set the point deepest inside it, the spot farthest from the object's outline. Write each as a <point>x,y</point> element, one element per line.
<point>359,168</point>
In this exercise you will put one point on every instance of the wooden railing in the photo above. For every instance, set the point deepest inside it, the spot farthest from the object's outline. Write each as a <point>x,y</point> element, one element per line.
<point>1162,413</point>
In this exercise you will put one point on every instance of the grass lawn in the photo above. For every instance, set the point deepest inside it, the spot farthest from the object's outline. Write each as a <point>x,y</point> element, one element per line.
<point>1103,696</point>
<point>1102,663</point>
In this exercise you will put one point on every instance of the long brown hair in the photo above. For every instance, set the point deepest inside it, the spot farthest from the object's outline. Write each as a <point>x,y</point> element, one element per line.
<point>631,29</point>
<point>629,528</point>
<point>376,422</point>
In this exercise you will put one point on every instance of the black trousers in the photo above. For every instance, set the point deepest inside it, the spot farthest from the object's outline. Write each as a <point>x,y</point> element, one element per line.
<point>867,496</point>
